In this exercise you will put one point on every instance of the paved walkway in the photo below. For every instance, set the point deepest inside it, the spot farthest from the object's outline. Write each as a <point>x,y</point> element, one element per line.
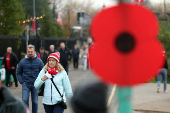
<point>76,78</point>
<point>145,98</point>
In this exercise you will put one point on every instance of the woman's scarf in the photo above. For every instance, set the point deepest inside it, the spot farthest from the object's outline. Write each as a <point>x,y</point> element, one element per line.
<point>53,71</point>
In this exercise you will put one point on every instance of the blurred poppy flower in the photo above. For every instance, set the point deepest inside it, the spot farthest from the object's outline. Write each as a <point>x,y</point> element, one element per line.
<point>126,51</point>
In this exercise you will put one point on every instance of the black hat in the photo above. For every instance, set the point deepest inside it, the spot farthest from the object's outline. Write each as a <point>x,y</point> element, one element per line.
<point>90,98</point>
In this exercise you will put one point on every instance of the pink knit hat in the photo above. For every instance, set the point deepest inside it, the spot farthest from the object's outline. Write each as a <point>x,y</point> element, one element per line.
<point>55,55</point>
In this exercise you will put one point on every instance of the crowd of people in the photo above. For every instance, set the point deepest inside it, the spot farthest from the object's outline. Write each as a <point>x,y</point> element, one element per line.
<point>10,59</point>
<point>48,69</point>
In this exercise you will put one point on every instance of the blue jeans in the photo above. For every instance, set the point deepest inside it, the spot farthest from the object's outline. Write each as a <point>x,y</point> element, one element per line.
<point>162,73</point>
<point>84,62</point>
<point>53,108</point>
<point>26,88</point>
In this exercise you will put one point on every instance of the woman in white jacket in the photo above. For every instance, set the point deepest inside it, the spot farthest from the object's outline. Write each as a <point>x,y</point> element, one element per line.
<point>51,97</point>
<point>83,55</point>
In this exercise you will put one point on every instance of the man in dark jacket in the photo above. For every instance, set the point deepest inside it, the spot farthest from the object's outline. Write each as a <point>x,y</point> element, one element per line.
<point>10,62</point>
<point>43,56</point>
<point>81,40</point>
<point>52,49</point>
<point>65,56</point>
<point>9,103</point>
<point>75,54</point>
<point>27,72</point>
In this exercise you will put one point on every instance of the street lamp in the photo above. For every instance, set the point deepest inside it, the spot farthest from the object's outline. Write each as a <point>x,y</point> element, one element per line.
<point>53,10</point>
<point>34,12</point>
<point>164,8</point>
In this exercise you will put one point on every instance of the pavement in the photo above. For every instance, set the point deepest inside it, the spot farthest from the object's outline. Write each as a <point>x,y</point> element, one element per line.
<point>145,99</point>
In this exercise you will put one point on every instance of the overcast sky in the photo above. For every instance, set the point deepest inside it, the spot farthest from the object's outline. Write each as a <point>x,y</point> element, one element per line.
<point>99,3</point>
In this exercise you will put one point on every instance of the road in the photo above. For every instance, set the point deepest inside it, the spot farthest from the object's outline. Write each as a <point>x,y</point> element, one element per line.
<point>142,94</point>
<point>76,78</point>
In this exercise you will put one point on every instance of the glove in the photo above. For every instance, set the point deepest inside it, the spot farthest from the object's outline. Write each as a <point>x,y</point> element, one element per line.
<point>48,75</point>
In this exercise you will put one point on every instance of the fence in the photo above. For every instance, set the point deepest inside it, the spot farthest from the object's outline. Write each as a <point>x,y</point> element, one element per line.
<point>10,41</point>
<point>18,43</point>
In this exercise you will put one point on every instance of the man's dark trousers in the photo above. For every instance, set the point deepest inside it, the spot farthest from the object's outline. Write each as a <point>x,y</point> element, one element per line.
<point>8,73</point>
<point>75,63</point>
<point>65,66</point>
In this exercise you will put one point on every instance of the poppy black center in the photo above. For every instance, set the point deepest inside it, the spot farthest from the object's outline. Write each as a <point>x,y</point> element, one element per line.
<point>125,42</point>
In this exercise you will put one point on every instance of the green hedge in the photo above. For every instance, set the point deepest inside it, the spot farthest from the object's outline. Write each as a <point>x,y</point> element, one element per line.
<point>164,37</point>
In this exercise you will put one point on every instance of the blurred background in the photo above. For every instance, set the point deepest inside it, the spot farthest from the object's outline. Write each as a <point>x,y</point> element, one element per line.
<point>46,22</point>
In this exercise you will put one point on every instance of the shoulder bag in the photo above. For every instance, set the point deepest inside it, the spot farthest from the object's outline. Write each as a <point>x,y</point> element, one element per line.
<point>61,103</point>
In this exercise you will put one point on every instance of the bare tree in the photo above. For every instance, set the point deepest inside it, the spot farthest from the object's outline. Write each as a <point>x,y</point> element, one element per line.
<point>157,7</point>
<point>147,3</point>
<point>59,4</point>
<point>69,13</point>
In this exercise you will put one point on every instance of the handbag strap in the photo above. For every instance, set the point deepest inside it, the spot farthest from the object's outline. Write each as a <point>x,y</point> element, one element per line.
<point>56,86</point>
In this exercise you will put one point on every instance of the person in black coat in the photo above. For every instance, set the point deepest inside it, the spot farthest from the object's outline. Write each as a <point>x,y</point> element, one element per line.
<point>52,49</point>
<point>10,63</point>
<point>75,54</point>
<point>9,103</point>
<point>65,56</point>
<point>43,56</point>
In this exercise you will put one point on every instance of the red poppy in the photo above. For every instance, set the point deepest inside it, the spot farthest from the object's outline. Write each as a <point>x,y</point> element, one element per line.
<point>126,51</point>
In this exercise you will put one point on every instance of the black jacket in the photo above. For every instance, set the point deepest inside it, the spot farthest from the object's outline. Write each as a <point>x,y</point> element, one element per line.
<point>13,60</point>
<point>166,64</point>
<point>75,53</point>
<point>44,59</point>
<point>65,55</point>
<point>51,52</point>
<point>11,104</point>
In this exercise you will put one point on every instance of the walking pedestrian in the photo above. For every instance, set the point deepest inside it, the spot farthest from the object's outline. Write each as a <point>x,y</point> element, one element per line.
<point>10,63</point>
<point>52,49</point>
<point>27,72</point>
<point>162,73</point>
<point>53,74</point>
<point>83,56</point>
<point>43,56</point>
<point>90,98</point>
<point>89,40</point>
<point>81,40</point>
<point>65,56</point>
<point>75,54</point>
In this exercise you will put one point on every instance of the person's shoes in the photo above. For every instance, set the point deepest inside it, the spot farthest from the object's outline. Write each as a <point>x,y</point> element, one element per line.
<point>16,85</point>
<point>165,91</point>
<point>74,68</point>
<point>158,90</point>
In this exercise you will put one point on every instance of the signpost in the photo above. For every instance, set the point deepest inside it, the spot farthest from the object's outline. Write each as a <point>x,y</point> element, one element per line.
<point>83,19</point>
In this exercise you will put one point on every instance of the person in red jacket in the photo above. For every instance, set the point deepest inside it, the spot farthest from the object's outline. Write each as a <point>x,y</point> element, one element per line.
<point>9,63</point>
